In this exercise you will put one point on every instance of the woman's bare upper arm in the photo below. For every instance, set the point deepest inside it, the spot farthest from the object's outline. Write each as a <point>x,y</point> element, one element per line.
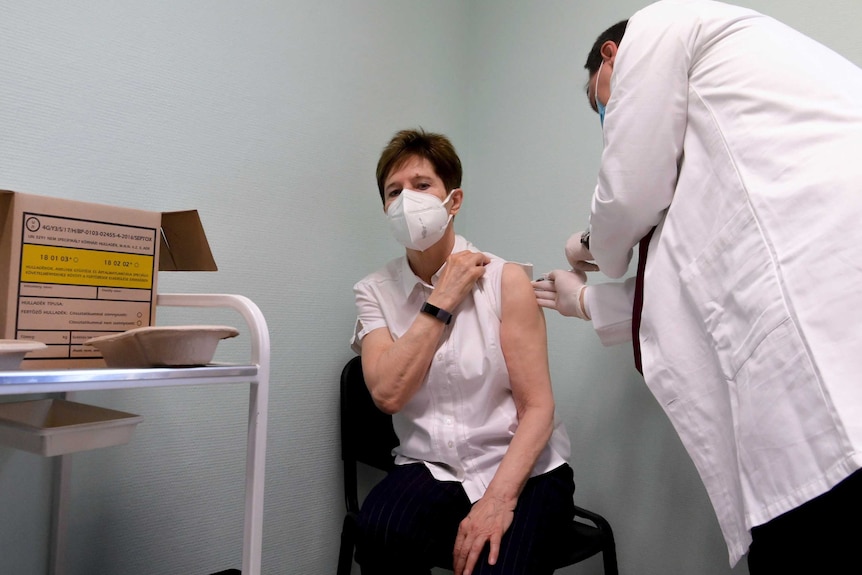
<point>374,344</point>
<point>524,338</point>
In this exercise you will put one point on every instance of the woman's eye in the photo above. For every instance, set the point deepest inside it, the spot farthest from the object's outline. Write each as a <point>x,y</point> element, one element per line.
<point>423,186</point>
<point>394,193</point>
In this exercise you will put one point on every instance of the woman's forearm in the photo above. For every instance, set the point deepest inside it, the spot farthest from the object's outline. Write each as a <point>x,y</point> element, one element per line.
<point>533,433</point>
<point>395,370</point>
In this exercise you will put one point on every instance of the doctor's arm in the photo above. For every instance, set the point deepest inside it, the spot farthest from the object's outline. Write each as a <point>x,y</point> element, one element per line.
<point>525,349</point>
<point>643,130</point>
<point>607,305</point>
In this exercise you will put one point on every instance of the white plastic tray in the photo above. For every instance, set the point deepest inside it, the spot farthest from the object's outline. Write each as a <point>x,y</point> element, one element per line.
<point>55,426</point>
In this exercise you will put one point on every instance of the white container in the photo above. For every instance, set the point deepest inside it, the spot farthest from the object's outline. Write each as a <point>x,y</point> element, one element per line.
<point>55,426</point>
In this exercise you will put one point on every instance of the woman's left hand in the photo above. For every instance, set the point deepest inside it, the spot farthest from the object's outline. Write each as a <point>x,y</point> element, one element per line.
<point>487,521</point>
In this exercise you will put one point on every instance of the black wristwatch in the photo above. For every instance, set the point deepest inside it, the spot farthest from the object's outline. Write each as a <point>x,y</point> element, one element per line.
<point>435,311</point>
<point>585,239</point>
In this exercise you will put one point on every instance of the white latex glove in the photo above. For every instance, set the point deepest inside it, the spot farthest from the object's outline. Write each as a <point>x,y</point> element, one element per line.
<point>563,291</point>
<point>578,255</point>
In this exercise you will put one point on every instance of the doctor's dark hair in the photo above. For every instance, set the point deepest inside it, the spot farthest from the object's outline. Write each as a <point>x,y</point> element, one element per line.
<point>436,148</point>
<point>614,34</point>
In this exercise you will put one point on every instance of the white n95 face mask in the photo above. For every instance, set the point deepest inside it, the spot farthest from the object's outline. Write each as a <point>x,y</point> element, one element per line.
<point>417,219</point>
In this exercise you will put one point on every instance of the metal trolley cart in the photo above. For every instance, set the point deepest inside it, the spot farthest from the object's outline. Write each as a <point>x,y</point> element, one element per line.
<point>255,373</point>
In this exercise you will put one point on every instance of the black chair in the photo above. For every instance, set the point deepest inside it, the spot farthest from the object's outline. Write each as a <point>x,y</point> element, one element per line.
<point>367,437</point>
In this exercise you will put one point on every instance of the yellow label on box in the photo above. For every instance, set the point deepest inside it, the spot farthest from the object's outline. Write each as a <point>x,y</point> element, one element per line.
<point>73,266</point>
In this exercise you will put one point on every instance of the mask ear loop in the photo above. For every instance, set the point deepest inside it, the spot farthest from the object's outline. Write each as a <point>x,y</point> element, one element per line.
<point>596,91</point>
<point>600,108</point>
<point>446,201</point>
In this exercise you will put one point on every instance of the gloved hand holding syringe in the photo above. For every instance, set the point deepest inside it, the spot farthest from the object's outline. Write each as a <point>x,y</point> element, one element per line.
<point>563,290</point>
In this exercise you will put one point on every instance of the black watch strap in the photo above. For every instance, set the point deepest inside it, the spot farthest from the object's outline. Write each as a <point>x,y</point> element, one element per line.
<point>435,311</point>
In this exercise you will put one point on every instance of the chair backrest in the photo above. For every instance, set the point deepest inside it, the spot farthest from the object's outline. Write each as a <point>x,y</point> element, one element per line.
<point>366,432</point>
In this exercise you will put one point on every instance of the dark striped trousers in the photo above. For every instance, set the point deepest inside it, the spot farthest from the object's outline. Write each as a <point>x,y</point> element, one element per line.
<point>409,520</point>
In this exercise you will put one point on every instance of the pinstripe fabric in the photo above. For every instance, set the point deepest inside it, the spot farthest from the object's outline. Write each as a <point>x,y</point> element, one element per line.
<point>409,520</point>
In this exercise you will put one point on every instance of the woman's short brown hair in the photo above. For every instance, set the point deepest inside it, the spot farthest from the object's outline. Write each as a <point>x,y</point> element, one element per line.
<point>436,148</point>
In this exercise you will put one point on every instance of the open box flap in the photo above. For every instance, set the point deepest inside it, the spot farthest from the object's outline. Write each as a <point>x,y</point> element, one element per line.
<point>184,245</point>
<point>5,253</point>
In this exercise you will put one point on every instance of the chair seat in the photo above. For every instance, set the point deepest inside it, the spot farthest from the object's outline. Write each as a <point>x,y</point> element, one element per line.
<point>578,541</point>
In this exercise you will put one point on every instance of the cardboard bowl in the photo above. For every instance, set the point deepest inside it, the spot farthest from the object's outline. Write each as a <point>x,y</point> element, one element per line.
<point>168,346</point>
<point>12,351</point>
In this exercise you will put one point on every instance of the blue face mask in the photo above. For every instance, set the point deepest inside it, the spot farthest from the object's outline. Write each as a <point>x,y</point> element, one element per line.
<point>599,106</point>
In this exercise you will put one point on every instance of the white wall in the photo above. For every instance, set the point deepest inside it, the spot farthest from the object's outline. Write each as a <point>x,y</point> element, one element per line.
<point>268,117</point>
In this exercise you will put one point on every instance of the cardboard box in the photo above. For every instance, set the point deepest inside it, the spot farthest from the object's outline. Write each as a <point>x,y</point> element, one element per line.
<point>55,426</point>
<point>72,270</point>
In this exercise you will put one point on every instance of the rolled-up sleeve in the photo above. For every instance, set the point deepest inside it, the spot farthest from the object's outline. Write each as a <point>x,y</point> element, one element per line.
<point>369,314</point>
<point>610,306</point>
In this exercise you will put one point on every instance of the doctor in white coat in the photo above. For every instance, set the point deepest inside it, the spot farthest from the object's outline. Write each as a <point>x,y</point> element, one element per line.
<point>739,141</point>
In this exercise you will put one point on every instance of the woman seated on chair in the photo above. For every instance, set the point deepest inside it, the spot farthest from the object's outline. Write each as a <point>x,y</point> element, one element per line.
<point>454,345</point>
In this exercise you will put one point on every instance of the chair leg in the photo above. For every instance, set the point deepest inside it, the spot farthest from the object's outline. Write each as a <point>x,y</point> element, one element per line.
<point>348,542</point>
<point>609,559</point>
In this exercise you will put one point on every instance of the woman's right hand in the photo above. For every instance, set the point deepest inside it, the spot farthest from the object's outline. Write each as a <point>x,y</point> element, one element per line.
<point>460,273</point>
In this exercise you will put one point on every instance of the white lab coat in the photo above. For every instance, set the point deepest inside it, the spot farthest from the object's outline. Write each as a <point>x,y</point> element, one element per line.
<point>741,139</point>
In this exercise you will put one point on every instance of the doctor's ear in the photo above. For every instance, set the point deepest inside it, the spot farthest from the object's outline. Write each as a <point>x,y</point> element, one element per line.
<point>609,52</point>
